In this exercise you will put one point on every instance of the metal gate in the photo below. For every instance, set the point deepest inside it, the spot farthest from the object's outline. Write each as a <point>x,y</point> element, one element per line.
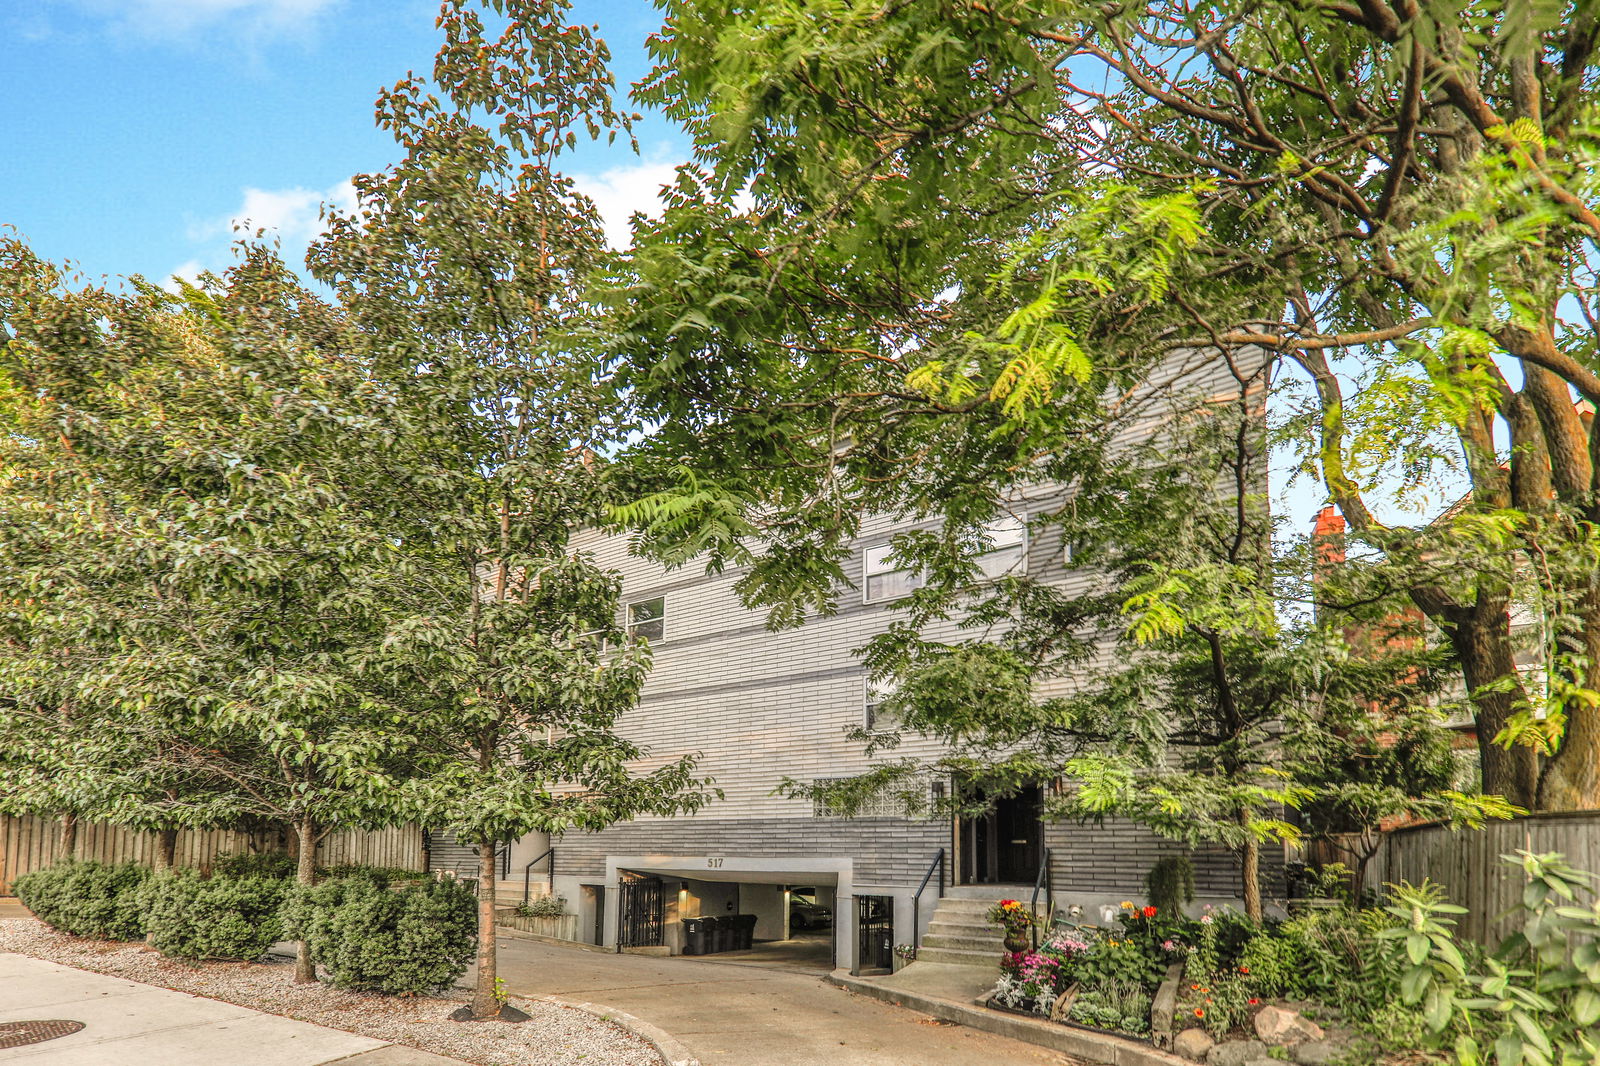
<point>874,933</point>
<point>641,913</point>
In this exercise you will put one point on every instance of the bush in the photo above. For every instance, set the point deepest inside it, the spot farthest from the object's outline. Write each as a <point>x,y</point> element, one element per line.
<point>189,917</point>
<point>380,875</point>
<point>543,907</point>
<point>403,941</point>
<point>87,898</point>
<point>254,864</point>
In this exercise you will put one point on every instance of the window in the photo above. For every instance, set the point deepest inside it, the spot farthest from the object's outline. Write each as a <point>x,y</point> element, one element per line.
<point>874,718</point>
<point>883,581</point>
<point>647,619</point>
<point>880,805</point>
<point>1008,547</point>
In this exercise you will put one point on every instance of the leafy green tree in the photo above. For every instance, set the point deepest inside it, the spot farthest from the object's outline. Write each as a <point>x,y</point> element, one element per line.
<point>463,271</point>
<point>199,521</point>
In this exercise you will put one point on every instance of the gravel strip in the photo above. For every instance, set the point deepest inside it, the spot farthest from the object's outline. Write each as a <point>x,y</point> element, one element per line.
<point>554,1036</point>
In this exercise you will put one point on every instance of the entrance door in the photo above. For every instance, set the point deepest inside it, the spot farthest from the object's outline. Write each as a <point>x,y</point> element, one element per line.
<point>1005,845</point>
<point>874,934</point>
<point>641,913</point>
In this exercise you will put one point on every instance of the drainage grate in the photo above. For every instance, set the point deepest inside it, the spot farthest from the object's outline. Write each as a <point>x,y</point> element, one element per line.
<point>16,1034</point>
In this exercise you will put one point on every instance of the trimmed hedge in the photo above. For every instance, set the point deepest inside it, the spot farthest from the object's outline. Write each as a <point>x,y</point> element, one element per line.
<point>221,918</point>
<point>372,937</point>
<point>87,899</point>
<point>254,864</point>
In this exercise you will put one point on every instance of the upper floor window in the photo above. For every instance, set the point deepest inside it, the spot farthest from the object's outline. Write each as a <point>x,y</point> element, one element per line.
<point>1007,553</point>
<point>884,580</point>
<point>647,619</point>
<point>1008,547</point>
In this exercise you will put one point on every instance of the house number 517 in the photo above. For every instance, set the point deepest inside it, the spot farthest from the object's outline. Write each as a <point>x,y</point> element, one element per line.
<point>713,863</point>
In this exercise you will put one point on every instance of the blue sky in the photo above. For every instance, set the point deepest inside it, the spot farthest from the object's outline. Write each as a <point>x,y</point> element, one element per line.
<point>136,131</point>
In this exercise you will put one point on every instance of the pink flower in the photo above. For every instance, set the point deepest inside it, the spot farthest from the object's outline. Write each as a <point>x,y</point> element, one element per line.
<point>1205,919</point>
<point>1167,945</point>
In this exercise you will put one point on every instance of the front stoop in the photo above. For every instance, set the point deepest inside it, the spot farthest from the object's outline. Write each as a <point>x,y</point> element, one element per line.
<point>947,992</point>
<point>960,933</point>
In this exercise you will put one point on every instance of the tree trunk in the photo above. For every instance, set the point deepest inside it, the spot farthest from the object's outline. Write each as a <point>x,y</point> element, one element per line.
<point>485,1002</point>
<point>1571,778</point>
<point>166,857</point>
<point>305,875</point>
<point>1250,872</point>
<point>1483,644</point>
<point>69,836</point>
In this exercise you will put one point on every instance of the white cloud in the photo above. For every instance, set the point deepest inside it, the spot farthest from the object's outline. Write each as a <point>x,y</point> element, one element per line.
<point>246,22</point>
<point>622,191</point>
<point>289,217</point>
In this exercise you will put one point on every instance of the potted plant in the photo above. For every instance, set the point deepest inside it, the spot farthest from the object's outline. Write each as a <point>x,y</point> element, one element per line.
<point>1015,920</point>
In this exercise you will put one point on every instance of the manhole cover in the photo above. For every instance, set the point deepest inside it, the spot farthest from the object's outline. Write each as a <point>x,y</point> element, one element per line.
<point>16,1034</point>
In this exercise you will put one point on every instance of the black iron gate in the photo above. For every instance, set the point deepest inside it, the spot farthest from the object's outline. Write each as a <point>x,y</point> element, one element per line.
<point>640,914</point>
<point>874,933</point>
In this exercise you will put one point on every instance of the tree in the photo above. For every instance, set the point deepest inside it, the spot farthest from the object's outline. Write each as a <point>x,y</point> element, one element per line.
<point>463,270</point>
<point>1408,186</point>
<point>198,525</point>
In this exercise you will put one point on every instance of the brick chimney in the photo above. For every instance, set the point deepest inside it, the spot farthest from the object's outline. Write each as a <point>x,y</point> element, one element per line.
<point>1327,545</point>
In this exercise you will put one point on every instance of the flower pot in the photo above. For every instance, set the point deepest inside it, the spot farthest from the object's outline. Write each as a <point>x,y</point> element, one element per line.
<point>1017,940</point>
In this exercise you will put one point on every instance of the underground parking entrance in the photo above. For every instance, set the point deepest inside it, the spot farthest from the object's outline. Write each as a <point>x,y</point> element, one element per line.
<point>782,913</point>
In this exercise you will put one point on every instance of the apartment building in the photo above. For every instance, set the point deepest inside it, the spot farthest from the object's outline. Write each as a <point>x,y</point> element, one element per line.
<point>760,706</point>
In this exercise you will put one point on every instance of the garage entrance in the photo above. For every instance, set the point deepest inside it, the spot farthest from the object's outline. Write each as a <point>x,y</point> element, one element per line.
<point>722,910</point>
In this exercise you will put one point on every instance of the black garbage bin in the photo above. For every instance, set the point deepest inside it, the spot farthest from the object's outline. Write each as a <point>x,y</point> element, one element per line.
<point>694,936</point>
<point>746,924</point>
<point>717,930</point>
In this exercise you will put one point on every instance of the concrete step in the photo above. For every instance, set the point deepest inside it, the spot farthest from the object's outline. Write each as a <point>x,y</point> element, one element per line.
<point>939,925</point>
<point>989,893</point>
<point>959,956</point>
<point>964,943</point>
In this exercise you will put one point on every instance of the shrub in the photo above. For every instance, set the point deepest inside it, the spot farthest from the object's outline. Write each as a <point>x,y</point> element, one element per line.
<point>380,875</point>
<point>189,917</point>
<point>87,898</point>
<point>404,941</point>
<point>254,864</point>
<point>543,907</point>
<point>1170,883</point>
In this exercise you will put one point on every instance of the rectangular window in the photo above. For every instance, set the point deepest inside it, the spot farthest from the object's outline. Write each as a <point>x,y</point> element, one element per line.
<point>882,580</point>
<point>1008,547</point>
<point>883,805</point>
<point>647,619</point>
<point>875,718</point>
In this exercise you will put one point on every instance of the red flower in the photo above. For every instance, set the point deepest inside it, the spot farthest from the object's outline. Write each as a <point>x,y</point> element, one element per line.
<point>1008,903</point>
<point>1244,969</point>
<point>1253,1002</point>
<point>1149,912</point>
<point>1198,1013</point>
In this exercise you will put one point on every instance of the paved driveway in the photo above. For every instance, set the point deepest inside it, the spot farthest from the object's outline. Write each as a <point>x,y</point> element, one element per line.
<point>740,1014</point>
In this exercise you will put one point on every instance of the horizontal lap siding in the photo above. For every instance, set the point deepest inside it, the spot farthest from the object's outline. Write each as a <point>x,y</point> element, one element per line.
<point>885,851</point>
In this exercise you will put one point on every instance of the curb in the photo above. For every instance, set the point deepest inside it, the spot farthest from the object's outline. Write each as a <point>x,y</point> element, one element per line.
<point>669,1047</point>
<point>1070,1041</point>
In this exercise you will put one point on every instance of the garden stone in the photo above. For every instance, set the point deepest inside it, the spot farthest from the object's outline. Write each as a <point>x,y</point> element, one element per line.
<point>1319,1053</point>
<point>1236,1053</point>
<point>1193,1044</point>
<point>1283,1028</point>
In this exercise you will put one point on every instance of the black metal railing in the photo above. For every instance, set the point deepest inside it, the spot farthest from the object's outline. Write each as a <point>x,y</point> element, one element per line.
<point>527,872</point>
<point>916,901</point>
<point>1042,880</point>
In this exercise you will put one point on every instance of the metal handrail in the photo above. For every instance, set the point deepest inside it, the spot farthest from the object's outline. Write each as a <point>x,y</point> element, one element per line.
<point>1042,879</point>
<point>549,853</point>
<point>916,901</point>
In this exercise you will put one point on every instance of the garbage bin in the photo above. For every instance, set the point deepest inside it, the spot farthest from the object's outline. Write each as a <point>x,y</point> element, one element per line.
<point>694,936</point>
<point>747,931</point>
<point>717,930</point>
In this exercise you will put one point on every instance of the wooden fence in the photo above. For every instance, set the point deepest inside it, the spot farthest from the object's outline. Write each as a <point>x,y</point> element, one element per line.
<point>1467,862</point>
<point>28,843</point>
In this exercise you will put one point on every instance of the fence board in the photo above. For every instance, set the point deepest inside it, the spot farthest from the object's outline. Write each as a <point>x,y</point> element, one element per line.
<point>30,843</point>
<point>1467,862</point>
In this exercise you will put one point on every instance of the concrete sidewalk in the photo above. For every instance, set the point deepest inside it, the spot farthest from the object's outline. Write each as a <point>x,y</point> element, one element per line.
<point>132,1024</point>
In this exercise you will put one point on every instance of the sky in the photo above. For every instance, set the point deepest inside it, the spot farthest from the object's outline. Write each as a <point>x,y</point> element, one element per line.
<point>137,132</point>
